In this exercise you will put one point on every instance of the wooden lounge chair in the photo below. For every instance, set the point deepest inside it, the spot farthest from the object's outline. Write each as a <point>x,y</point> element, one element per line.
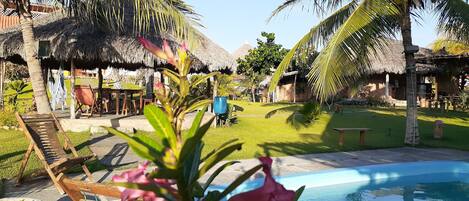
<point>76,189</point>
<point>42,132</point>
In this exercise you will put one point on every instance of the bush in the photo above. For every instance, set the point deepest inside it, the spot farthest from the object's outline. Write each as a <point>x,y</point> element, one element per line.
<point>7,117</point>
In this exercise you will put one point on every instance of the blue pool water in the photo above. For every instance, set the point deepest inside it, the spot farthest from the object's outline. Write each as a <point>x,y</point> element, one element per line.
<point>415,181</point>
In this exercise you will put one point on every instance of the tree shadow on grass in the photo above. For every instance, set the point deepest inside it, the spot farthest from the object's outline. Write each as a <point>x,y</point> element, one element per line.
<point>388,131</point>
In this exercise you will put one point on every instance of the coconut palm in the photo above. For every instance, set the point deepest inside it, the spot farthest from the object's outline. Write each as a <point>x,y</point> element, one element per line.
<point>169,16</point>
<point>356,30</point>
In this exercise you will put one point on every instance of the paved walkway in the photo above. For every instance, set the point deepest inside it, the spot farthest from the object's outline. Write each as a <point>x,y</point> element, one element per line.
<point>114,152</point>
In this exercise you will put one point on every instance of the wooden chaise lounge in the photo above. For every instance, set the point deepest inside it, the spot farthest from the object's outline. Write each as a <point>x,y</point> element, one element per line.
<point>76,189</point>
<point>42,131</point>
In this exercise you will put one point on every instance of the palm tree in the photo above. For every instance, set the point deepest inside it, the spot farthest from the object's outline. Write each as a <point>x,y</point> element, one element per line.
<point>169,16</point>
<point>356,31</point>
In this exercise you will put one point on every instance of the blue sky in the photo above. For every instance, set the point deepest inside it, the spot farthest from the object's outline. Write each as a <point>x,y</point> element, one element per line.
<point>230,23</point>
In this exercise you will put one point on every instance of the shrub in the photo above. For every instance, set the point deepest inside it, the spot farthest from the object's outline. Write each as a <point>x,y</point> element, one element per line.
<point>7,117</point>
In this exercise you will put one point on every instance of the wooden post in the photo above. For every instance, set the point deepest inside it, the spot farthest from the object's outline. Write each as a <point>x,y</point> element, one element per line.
<point>150,77</point>
<point>2,80</point>
<point>341,137</point>
<point>294,90</point>
<point>72,90</point>
<point>209,92</point>
<point>386,86</point>
<point>362,137</point>
<point>100,90</point>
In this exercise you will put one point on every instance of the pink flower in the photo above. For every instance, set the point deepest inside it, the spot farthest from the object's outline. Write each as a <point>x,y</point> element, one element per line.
<point>165,53</point>
<point>184,46</point>
<point>270,191</point>
<point>138,176</point>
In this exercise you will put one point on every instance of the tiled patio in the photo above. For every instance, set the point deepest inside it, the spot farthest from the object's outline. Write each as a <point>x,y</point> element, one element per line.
<point>114,152</point>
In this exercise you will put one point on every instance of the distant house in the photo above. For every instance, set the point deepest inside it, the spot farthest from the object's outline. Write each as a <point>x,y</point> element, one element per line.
<point>387,78</point>
<point>438,75</point>
<point>9,18</point>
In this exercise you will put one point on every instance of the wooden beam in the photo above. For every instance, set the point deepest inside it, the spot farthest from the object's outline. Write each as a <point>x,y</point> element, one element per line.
<point>2,80</point>
<point>72,90</point>
<point>100,90</point>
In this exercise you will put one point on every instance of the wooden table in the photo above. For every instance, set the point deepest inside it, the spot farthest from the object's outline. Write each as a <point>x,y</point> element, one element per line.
<point>342,132</point>
<point>126,92</point>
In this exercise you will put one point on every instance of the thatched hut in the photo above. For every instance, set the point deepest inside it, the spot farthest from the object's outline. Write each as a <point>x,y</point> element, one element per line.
<point>90,47</point>
<point>386,76</point>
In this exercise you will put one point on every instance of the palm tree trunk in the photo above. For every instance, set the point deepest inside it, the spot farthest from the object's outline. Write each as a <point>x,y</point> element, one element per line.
<point>34,67</point>
<point>412,134</point>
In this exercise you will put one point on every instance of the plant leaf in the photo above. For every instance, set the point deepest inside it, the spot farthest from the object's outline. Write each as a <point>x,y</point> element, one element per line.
<point>298,193</point>
<point>238,181</point>
<point>216,173</point>
<point>218,156</point>
<point>161,124</point>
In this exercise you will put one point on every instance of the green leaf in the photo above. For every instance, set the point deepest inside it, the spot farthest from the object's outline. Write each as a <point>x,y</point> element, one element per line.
<point>164,173</point>
<point>216,173</point>
<point>298,193</point>
<point>190,144</point>
<point>203,79</point>
<point>173,76</point>
<point>196,123</point>
<point>218,156</point>
<point>197,105</point>
<point>144,139</point>
<point>238,181</point>
<point>191,165</point>
<point>141,149</point>
<point>161,124</point>
<point>220,147</point>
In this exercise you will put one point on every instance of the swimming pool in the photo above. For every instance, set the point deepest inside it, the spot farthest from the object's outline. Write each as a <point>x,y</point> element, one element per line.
<point>430,180</point>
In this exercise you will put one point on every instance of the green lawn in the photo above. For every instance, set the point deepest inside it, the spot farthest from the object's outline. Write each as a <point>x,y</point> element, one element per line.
<point>275,138</point>
<point>14,144</point>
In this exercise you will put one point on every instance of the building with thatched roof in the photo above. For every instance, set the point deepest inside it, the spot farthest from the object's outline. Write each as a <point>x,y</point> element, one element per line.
<point>90,47</point>
<point>386,75</point>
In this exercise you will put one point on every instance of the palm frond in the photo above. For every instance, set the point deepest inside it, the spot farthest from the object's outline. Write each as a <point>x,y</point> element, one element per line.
<point>290,108</point>
<point>348,52</point>
<point>318,6</point>
<point>173,17</point>
<point>301,115</point>
<point>453,18</point>
<point>451,46</point>
<point>318,35</point>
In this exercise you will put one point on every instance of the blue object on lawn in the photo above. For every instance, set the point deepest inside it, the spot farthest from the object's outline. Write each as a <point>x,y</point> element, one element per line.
<point>220,104</point>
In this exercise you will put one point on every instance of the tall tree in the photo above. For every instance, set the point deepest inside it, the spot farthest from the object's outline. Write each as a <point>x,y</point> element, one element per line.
<point>169,16</point>
<point>261,61</point>
<point>357,30</point>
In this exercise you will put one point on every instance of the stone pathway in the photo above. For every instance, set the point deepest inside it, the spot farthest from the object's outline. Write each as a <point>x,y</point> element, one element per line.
<point>114,152</point>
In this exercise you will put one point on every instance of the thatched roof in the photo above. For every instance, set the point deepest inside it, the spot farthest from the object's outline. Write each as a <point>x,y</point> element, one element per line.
<point>391,60</point>
<point>242,51</point>
<point>90,47</point>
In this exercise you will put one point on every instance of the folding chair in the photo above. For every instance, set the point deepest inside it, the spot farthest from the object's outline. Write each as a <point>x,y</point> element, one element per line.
<point>85,96</point>
<point>42,132</point>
